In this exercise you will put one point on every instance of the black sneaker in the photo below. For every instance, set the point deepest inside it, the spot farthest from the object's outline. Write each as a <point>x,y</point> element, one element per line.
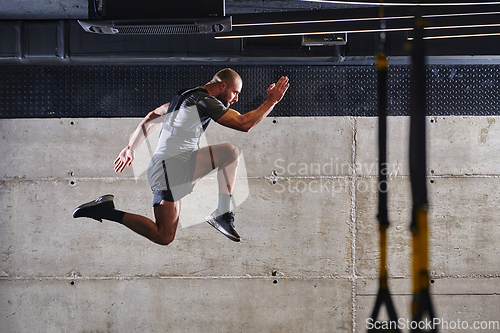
<point>224,223</point>
<point>95,208</point>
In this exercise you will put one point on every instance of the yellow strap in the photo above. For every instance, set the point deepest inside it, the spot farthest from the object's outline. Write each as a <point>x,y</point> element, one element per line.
<point>420,251</point>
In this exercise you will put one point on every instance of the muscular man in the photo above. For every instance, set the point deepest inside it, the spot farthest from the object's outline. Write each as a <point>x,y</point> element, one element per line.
<point>177,165</point>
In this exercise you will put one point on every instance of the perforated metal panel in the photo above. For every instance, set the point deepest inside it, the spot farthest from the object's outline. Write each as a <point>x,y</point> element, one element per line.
<point>132,91</point>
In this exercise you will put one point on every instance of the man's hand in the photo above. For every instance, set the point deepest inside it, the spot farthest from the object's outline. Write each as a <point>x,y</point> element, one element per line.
<point>124,159</point>
<point>245,122</point>
<point>276,91</point>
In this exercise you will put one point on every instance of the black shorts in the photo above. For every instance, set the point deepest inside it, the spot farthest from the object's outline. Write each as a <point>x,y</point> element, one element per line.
<point>171,179</point>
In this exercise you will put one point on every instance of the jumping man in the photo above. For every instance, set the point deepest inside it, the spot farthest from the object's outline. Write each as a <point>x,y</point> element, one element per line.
<point>177,165</point>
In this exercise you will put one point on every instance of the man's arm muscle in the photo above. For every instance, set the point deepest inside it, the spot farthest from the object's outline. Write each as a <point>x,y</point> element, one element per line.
<point>148,124</point>
<point>145,127</point>
<point>245,122</point>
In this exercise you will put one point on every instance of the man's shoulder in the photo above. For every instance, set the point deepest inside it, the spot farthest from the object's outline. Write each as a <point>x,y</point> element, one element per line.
<point>205,99</point>
<point>193,91</point>
<point>202,92</point>
<point>201,95</point>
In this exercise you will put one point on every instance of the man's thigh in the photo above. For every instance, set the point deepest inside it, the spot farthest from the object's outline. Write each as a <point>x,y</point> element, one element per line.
<point>209,158</point>
<point>167,216</point>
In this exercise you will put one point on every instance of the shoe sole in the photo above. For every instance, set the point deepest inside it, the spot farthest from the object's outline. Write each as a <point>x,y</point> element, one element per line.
<point>104,198</point>
<point>217,226</point>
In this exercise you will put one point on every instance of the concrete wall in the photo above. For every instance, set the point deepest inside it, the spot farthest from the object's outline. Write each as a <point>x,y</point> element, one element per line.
<point>307,200</point>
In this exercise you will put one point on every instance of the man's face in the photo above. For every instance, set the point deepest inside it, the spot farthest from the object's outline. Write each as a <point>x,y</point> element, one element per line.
<point>229,92</point>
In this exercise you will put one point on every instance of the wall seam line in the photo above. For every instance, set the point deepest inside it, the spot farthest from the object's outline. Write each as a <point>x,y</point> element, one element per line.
<point>353,222</point>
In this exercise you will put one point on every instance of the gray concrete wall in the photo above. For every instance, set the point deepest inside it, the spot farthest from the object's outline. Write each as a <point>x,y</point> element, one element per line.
<point>306,211</point>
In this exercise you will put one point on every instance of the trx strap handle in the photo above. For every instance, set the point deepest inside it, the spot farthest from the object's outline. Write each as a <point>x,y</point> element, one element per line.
<point>383,295</point>
<point>421,303</point>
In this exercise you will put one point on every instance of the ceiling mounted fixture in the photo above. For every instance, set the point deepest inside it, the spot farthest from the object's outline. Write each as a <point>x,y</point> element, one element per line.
<point>470,21</point>
<point>409,4</point>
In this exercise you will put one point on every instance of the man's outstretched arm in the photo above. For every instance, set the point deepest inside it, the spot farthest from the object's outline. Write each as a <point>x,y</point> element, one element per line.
<point>245,122</point>
<point>147,125</point>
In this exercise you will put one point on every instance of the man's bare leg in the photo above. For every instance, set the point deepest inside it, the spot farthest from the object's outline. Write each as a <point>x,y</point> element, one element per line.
<point>163,230</point>
<point>225,158</point>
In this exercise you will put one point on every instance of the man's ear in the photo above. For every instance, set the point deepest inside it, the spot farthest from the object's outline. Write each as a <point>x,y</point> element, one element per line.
<point>222,85</point>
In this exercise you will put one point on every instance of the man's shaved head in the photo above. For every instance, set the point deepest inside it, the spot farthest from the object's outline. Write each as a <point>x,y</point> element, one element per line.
<point>225,86</point>
<point>226,75</point>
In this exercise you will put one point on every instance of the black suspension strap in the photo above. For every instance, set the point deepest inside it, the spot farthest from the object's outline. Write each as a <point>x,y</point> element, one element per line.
<point>421,304</point>
<point>383,295</point>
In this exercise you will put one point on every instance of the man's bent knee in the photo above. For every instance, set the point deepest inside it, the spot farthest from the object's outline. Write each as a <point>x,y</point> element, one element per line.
<point>232,152</point>
<point>166,219</point>
<point>165,240</point>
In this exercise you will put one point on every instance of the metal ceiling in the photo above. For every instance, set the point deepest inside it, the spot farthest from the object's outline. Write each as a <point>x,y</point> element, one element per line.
<point>41,31</point>
<point>78,9</point>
